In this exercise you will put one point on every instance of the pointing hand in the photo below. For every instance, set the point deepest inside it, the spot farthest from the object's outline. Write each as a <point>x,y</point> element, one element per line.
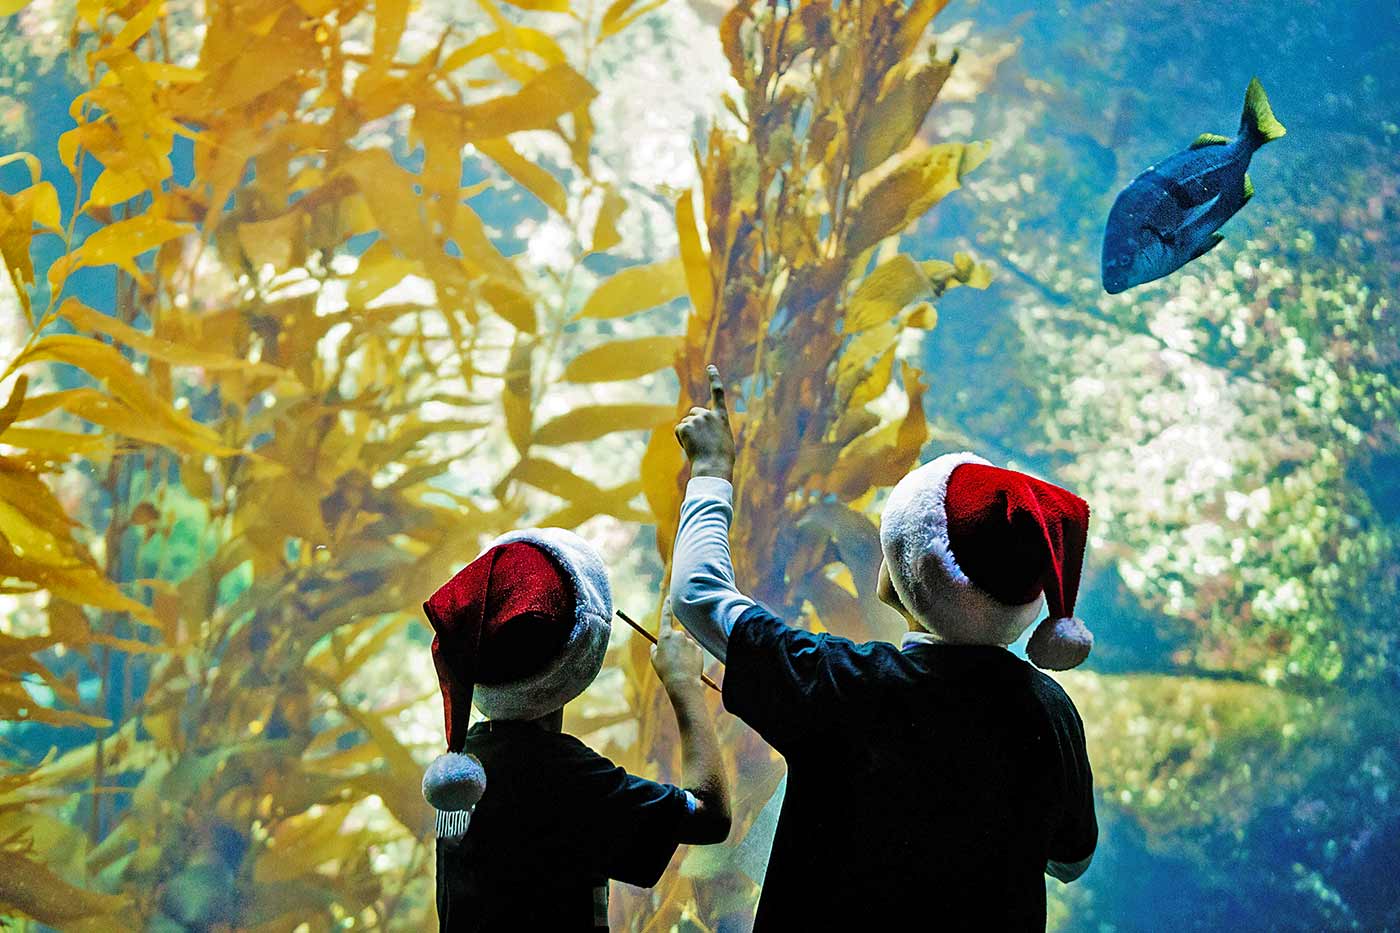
<point>705,434</point>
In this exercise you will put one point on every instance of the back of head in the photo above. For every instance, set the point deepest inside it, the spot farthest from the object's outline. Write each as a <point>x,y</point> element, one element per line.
<point>520,631</point>
<point>971,548</point>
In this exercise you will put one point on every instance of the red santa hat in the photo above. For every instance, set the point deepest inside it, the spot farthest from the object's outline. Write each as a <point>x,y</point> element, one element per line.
<point>520,631</point>
<point>958,532</point>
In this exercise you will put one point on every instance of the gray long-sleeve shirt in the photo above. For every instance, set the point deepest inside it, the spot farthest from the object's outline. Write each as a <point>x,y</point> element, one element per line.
<point>704,598</point>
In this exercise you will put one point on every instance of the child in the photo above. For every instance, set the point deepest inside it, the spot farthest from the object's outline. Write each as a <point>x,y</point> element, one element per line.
<point>531,822</point>
<point>929,786</point>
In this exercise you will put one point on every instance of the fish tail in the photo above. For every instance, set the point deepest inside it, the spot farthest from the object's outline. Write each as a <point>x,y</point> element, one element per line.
<point>1258,123</point>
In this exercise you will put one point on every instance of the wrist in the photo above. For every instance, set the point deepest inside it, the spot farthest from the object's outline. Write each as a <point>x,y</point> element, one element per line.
<point>682,689</point>
<point>722,467</point>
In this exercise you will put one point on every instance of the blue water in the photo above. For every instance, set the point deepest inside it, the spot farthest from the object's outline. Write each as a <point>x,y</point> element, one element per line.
<point>1116,86</point>
<point>1131,83</point>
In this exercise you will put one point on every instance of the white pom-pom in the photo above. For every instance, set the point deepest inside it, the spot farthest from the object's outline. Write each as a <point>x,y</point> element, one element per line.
<point>1059,644</point>
<point>454,782</point>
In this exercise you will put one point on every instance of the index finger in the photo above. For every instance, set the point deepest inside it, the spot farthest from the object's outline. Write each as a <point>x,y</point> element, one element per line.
<point>668,616</point>
<point>716,389</point>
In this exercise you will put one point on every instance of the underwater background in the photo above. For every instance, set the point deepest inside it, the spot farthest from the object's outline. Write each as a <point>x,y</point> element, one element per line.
<point>309,300</point>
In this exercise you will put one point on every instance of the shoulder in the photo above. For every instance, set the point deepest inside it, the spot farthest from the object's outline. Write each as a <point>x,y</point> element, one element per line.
<point>1056,703</point>
<point>757,632</point>
<point>758,626</point>
<point>573,753</point>
<point>526,748</point>
<point>1049,689</point>
<point>596,776</point>
<point>763,648</point>
<point>579,774</point>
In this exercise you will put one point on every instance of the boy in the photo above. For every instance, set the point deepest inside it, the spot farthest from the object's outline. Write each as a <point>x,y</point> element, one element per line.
<point>929,786</point>
<point>531,822</point>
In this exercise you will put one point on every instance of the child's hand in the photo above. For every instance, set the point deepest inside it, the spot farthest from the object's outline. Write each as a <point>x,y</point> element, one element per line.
<point>676,657</point>
<point>705,434</point>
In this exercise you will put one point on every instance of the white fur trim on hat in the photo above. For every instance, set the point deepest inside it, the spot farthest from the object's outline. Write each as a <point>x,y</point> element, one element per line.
<point>581,658</point>
<point>924,572</point>
<point>914,532</point>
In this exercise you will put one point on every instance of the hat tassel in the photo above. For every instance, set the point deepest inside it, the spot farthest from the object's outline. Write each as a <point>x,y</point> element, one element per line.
<point>1058,644</point>
<point>454,781</point>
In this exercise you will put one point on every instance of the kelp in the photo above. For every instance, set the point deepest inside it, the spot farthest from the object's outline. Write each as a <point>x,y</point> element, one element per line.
<point>800,296</point>
<point>312,326</point>
<point>307,331</point>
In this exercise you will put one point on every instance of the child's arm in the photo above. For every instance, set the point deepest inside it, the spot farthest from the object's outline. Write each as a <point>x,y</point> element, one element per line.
<point>678,662</point>
<point>703,592</point>
<point>702,577</point>
<point>1078,832</point>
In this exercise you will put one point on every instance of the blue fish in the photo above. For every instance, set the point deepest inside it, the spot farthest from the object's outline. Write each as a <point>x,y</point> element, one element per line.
<point>1172,213</point>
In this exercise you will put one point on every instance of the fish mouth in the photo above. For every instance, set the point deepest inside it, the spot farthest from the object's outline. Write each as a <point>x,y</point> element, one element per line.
<point>1119,260</point>
<point>1116,278</point>
<point>1149,259</point>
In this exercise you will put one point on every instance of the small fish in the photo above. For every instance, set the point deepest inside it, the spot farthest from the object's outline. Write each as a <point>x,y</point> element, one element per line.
<point>1172,213</point>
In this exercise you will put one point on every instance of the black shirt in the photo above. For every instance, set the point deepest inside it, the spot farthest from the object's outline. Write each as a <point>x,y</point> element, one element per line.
<point>936,780</point>
<point>556,822</point>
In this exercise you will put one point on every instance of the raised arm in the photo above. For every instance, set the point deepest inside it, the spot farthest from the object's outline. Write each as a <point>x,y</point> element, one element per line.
<point>703,594</point>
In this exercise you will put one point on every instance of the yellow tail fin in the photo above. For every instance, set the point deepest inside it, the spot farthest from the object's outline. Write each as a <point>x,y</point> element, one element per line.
<point>1258,121</point>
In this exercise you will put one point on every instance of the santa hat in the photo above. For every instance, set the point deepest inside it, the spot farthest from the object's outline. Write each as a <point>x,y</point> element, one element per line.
<point>993,540</point>
<point>520,631</point>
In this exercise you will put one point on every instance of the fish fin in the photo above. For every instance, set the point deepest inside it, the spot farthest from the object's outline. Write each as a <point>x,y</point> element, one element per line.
<point>1209,139</point>
<point>1258,122</point>
<point>1248,188</point>
<point>1211,242</point>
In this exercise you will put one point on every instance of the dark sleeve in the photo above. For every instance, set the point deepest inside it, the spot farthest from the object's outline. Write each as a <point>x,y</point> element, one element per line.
<point>788,683</point>
<point>455,894</point>
<point>634,825</point>
<point>1077,834</point>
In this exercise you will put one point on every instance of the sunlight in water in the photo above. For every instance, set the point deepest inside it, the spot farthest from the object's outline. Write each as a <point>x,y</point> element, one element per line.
<point>307,302</point>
